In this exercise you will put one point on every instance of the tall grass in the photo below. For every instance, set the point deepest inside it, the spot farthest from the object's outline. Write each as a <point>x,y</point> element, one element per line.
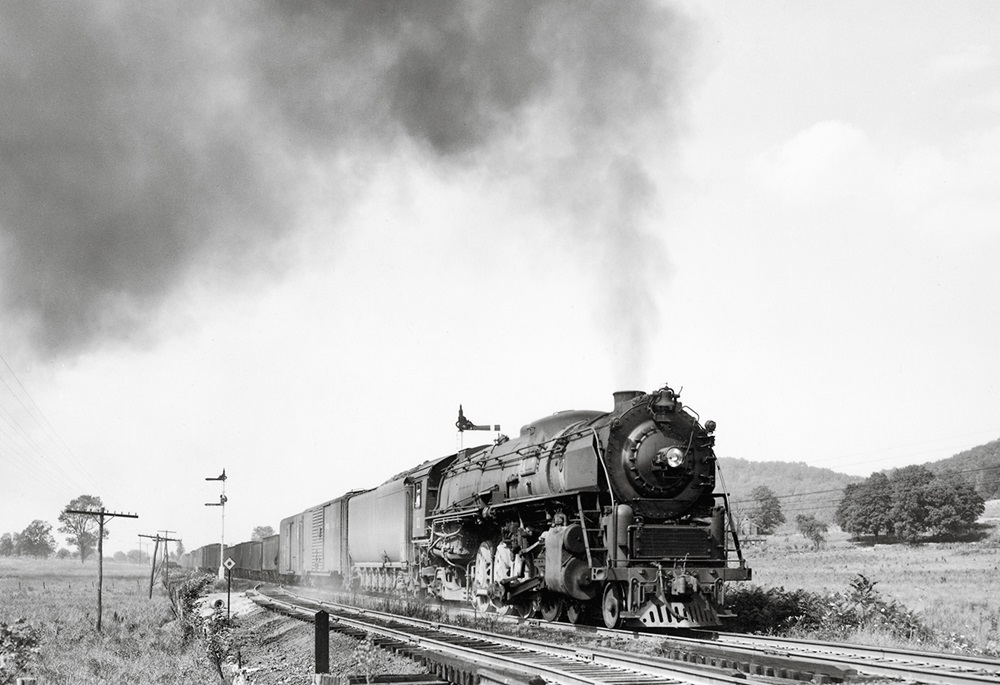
<point>140,642</point>
<point>949,586</point>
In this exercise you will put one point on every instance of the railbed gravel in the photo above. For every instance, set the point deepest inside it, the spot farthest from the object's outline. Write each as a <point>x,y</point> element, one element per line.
<point>279,650</point>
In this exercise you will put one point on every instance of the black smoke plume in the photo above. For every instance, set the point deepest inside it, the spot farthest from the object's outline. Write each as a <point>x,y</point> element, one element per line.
<point>143,142</point>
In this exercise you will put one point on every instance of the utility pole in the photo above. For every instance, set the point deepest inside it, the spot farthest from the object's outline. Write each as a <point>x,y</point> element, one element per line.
<point>221,503</point>
<point>101,515</point>
<point>166,556</point>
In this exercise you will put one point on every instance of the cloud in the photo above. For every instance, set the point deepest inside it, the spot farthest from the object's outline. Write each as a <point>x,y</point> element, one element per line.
<point>827,162</point>
<point>969,60</point>
<point>833,165</point>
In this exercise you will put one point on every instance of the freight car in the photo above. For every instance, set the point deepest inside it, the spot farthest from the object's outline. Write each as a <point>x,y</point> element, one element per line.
<point>586,514</point>
<point>254,560</point>
<point>313,543</point>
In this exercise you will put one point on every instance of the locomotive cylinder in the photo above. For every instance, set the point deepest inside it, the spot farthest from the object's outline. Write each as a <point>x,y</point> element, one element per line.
<point>566,572</point>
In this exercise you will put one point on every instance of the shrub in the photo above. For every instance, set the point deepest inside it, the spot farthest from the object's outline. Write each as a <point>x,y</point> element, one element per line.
<point>18,646</point>
<point>773,610</point>
<point>222,639</point>
<point>777,611</point>
<point>185,597</point>
<point>863,608</point>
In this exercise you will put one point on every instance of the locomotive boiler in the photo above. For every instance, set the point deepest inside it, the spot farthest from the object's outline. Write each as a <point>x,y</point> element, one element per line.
<point>610,514</point>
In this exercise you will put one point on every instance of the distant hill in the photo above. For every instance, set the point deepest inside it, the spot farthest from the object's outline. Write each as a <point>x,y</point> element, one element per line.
<point>801,489</point>
<point>979,465</point>
<point>804,489</point>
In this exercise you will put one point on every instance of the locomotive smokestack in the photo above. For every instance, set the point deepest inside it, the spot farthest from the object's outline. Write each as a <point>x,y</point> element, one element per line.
<point>624,397</point>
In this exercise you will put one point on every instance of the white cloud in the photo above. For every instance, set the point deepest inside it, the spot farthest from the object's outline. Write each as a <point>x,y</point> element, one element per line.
<point>970,59</point>
<point>834,166</point>
<point>828,161</point>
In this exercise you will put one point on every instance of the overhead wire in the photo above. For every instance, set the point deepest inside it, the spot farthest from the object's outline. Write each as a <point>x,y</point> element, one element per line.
<point>20,448</point>
<point>45,424</point>
<point>19,444</point>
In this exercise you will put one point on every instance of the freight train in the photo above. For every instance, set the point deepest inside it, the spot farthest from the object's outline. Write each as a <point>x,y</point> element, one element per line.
<point>585,515</point>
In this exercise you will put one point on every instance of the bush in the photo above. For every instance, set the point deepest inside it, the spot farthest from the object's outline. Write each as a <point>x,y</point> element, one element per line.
<point>863,608</point>
<point>776,611</point>
<point>220,634</point>
<point>185,597</point>
<point>18,646</point>
<point>773,611</point>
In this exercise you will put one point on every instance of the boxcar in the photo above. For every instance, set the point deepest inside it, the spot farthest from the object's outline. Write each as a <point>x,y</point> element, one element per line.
<point>210,559</point>
<point>270,547</point>
<point>326,541</point>
<point>246,556</point>
<point>292,546</point>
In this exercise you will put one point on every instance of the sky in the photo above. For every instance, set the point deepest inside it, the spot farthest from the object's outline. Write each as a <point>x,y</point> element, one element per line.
<point>288,241</point>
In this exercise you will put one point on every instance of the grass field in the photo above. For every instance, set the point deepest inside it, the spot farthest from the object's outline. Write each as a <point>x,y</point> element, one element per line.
<point>950,585</point>
<point>139,642</point>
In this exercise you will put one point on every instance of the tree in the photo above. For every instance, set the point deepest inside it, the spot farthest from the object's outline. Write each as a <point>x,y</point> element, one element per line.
<point>909,502</point>
<point>865,508</point>
<point>811,529</point>
<point>81,529</point>
<point>767,512</point>
<point>7,544</point>
<point>36,540</point>
<point>63,553</point>
<point>261,532</point>
<point>953,505</point>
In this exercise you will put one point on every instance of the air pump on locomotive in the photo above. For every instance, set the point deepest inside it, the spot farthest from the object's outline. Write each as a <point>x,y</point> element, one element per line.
<point>609,514</point>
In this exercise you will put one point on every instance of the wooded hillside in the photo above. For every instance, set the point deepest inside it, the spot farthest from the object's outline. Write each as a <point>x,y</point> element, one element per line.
<point>980,466</point>
<point>800,488</point>
<point>804,489</point>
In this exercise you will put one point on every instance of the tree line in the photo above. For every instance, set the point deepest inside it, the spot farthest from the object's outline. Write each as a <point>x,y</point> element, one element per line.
<point>910,503</point>
<point>907,505</point>
<point>81,532</point>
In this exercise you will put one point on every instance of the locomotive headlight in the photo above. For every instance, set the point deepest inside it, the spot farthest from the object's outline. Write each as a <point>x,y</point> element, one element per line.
<point>675,457</point>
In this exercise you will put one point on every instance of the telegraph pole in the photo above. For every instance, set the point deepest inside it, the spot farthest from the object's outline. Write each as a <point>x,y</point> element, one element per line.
<point>101,515</point>
<point>221,503</point>
<point>166,556</point>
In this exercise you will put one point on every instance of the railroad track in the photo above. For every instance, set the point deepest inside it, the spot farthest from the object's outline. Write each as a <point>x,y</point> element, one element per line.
<point>463,654</point>
<point>922,667</point>
<point>783,658</point>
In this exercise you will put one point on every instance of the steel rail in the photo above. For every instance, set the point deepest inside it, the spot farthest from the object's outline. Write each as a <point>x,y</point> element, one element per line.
<point>478,651</point>
<point>924,667</point>
<point>556,663</point>
<point>702,655</point>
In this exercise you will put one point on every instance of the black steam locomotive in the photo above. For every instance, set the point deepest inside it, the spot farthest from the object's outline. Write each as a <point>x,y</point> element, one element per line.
<point>610,516</point>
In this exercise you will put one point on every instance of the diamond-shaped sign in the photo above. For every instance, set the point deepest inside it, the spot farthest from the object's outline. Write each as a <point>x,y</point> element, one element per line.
<point>229,563</point>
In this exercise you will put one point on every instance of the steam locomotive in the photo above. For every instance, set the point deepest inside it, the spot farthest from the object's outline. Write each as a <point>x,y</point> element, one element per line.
<point>587,515</point>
